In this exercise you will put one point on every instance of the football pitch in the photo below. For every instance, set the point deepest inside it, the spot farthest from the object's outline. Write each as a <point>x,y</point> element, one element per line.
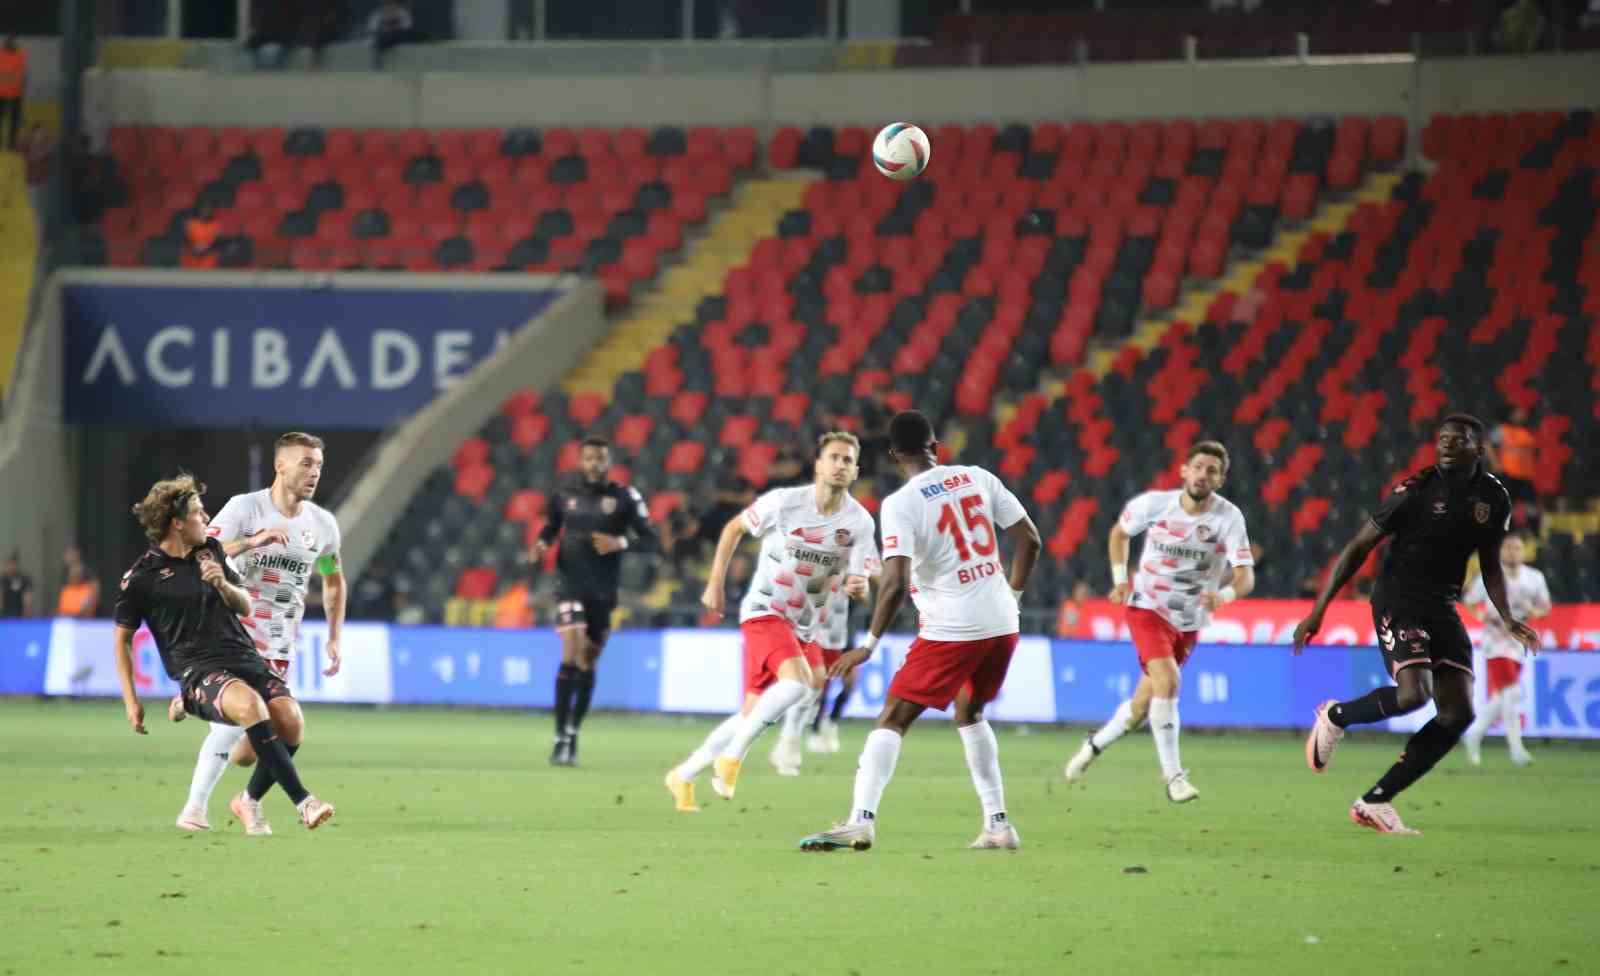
<point>456,849</point>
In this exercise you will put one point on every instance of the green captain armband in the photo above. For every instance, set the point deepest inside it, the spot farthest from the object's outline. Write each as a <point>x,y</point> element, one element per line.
<point>327,565</point>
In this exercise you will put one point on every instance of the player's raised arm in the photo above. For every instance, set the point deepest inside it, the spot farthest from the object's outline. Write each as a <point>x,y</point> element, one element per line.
<point>1494,584</point>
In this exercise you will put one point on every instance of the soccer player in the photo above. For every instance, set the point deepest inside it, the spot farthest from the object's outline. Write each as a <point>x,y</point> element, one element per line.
<point>276,537</point>
<point>832,638</point>
<point>1435,520</point>
<point>941,544</point>
<point>811,535</point>
<point>1193,536</point>
<point>188,595</point>
<point>1529,598</point>
<point>593,518</point>
<point>834,641</point>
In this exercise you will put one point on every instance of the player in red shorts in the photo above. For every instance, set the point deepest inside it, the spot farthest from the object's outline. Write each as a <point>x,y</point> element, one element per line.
<point>1192,536</point>
<point>811,535</point>
<point>941,545</point>
<point>1529,597</point>
<point>830,640</point>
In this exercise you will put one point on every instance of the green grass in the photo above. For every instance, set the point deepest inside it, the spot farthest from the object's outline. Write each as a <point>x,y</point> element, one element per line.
<point>456,849</point>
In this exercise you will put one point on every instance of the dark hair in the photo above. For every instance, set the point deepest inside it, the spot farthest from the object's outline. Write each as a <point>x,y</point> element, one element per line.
<point>1214,449</point>
<point>1468,421</point>
<point>911,433</point>
<point>297,438</point>
<point>594,441</point>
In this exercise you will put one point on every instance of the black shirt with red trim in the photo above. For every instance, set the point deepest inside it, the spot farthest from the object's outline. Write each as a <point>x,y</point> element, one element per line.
<point>1436,523</point>
<point>192,625</point>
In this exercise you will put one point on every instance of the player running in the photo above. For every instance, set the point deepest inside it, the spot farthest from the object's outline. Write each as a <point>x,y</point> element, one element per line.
<point>1438,518</point>
<point>941,545</point>
<point>594,519</point>
<point>832,639</point>
<point>812,536</point>
<point>1529,598</point>
<point>835,640</point>
<point>276,537</point>
<point>188,595</point>
<point>1192,537</point>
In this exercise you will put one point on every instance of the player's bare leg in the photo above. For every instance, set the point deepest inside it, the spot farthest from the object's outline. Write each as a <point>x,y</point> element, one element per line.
<point>983,761</point>
<point>793,684</point>
<point>570,679</point>
<point>786,756</point>
<point>876,767</point>
<point>1128,716</point>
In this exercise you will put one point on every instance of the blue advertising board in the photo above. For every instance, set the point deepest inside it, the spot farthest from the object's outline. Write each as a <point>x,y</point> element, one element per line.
<point>346,357</point>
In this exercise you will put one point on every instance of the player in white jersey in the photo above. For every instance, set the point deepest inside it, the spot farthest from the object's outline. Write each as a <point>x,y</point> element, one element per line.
<point>276,538</point>
<point>941,545</point>
<point>835,641</point>
<point>811,537</point>
<point>1191,537</point>
<point>1528,597</point>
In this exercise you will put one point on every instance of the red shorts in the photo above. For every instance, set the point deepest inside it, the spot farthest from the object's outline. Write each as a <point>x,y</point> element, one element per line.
<point>1503,673</point>
<point>829,658</point>
<point>1153,637</point>
<point>768,642</point>
<point>936,671</point>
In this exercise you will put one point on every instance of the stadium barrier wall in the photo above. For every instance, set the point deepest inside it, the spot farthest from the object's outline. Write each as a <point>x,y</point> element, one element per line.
<point>698,671</point>
<point>1378,84</point>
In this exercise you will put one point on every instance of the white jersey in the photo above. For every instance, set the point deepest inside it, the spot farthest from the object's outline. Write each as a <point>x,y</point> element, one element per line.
<point>1184,556</point>
<point>1526,593</point>
<point>804,556</point>
<point>833,629</point>
<point>948,520</point>
<point>276,576</point>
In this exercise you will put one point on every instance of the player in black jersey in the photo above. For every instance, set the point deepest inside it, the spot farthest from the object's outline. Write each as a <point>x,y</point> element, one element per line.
<point>184,589</point>
<point>1436,520</point>
<point>593,518</point>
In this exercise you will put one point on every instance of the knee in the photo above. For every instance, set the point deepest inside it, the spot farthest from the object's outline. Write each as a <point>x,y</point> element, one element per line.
<point>1456,718</point>
<point>1410,699</point>
<point>289,722</point>
<point>970,715</point>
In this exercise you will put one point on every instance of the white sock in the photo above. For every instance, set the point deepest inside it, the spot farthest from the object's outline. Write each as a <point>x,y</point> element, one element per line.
<point>983,759</point>
<point>1511,715</point>
<point>873,773</point>
<point>1121,723</point>
<point>1164,728</point>
<point>799,715</point>
<point>212,762</point>
<point>710,748</point>
<point>769,708</point>
<point>1480,724</point>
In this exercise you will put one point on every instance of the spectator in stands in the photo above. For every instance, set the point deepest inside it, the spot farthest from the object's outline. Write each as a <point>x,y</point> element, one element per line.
<point>16,590</point>
<point>389,25</point>
<point>13,82</point>
<point>200,239</point>
<point>1519,28</point>
<point>1514,454</point>
<point>729,501</point>
<point>788,468</point>
<point>680,540</point>
<point>513,609</point>
<point>37,147</point>
<point>406,613</point>
<point>80,597</point>
<point>1074,621</point>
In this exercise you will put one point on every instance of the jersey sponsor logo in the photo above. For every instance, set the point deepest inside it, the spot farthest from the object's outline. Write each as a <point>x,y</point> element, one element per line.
<point>949,484</point>
<point>608,505</point>
<point>1181,552</point>
<point>1480,512</point>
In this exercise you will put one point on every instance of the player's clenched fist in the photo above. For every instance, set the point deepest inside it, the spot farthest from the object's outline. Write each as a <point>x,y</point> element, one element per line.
<point>211,572</point>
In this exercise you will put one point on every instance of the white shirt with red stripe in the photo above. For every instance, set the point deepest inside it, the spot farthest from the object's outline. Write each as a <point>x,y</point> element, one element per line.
<point>948,520</point>
<point>833,628</point>
<point>804,556</point>
<point>276,576</point>
<point>1527,593</point>
<point>1184,556</point>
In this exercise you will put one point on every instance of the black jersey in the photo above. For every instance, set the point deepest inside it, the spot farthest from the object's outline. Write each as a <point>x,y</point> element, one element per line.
<point>1436,524</point>
<point>188,618</point>
<point>581,509</point>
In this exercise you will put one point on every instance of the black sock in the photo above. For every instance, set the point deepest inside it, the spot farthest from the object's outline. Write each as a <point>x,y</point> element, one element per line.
<point>839,703</point>
<point>566,685</point>
<point>274,764</point>
<point>1422,750</point>
<point>584,680</point>
<point>1375,706</point>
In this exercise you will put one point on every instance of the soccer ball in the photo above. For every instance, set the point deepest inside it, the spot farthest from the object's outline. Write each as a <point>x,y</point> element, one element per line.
<point>901,151</point>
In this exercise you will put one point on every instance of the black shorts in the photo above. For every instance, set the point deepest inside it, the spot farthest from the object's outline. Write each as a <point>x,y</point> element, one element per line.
<point>1410,636</point>
<point>594,616</point>
<point>203,686</point>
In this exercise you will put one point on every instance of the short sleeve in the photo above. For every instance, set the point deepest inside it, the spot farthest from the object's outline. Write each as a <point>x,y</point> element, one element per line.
<point>1541,589</point>
<point>1135,516</point>
<point>1008,511</point>
<point>1394,512</point>
<point>899,532</point>
<point>1238,542</point>
<point>864,558</point>
<point>228,572</point>
<point>762,515</point>
<point>334,540</point>
<point>129,610</point>
<point>228,524</point>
